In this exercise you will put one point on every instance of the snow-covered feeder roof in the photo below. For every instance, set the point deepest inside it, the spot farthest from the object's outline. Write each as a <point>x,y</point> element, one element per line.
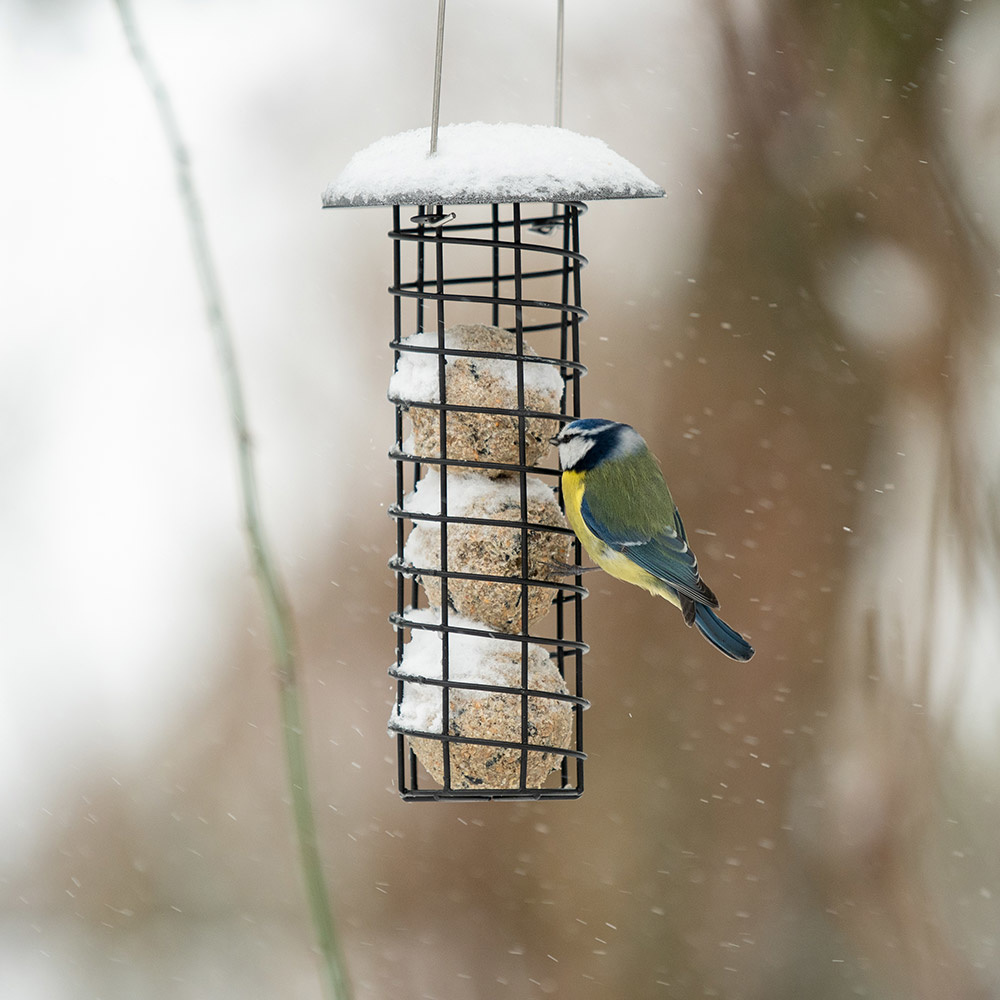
<point>480,164</point>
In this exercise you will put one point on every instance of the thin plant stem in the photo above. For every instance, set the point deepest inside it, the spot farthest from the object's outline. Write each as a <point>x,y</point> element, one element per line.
<point>277,608</point>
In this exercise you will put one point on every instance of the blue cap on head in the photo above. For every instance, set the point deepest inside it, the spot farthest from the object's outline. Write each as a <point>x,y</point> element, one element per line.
<point>590,424</point>
<point>584,444</point>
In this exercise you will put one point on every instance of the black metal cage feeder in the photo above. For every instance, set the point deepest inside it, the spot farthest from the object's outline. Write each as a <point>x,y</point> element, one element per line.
<point>486,342</point>
<point>522,278</point>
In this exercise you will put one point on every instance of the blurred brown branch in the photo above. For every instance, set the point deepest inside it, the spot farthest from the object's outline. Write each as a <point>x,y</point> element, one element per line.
<point>272,590</point>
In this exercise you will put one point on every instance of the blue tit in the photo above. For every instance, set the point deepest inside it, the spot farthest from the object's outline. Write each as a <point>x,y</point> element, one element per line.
<point>618,504</point>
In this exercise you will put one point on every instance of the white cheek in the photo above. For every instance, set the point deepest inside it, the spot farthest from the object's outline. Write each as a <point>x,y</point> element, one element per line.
<point>573,450</point>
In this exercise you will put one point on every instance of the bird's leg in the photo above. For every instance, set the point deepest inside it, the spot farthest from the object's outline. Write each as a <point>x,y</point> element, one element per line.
<point>556,568</point>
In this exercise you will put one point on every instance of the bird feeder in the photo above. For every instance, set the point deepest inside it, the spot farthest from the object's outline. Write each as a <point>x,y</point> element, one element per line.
<point>486,269</point>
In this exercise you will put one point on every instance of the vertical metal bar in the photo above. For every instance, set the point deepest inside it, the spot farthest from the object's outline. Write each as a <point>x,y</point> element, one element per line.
<point>438,59</point>
<point>397,324</point>
<point>559,62</point>
<point>495,233</point>
<point>565,318</point>
<point>573,222</point>
<point>419,300</point>
<point>443,498</point>
<point>564,326</point>
<point>419,328</point>
<point>522,477</point>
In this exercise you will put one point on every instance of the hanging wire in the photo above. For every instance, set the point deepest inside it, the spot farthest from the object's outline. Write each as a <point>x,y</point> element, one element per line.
<point>560,11</point>
<point>438,59</point>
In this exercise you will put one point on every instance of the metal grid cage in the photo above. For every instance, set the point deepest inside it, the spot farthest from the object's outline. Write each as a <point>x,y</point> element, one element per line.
<point>520,275</point>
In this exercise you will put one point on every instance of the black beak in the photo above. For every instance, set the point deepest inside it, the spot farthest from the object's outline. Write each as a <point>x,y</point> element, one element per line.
<point>554,440</point>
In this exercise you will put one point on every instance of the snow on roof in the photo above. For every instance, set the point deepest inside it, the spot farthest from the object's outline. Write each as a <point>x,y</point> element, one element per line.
<point>483,164</point>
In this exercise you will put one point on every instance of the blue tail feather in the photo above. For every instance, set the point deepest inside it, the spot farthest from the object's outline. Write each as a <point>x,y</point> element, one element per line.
<point>720,635</point>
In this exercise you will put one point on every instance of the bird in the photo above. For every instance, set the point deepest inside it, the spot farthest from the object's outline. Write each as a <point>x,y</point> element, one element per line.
<point>618,504</point>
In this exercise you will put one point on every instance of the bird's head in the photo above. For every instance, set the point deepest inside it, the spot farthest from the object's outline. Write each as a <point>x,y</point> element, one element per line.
<point>584,444</point>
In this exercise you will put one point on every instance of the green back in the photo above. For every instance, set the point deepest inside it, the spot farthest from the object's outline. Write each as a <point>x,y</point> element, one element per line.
<point>629,497</point>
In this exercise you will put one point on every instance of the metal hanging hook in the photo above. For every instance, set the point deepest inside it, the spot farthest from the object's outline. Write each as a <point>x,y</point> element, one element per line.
<point>439,59</point>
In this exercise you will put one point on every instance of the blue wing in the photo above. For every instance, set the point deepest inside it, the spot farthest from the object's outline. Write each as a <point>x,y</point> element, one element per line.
<point>666,554</point>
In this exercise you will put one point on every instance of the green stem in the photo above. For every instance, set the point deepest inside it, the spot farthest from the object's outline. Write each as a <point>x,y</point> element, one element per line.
<point>276,604</point>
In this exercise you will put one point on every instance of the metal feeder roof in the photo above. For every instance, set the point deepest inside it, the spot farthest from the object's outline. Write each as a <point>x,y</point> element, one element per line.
<point>483,164</point>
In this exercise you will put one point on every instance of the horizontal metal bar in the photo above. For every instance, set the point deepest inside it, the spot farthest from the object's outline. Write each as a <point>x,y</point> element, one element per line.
<point>465,352</point>
<point>488,795</point>
<point>492,522</point>
<point>581,208</point>
<point>438,237</point>
<point>492,411</point>
<point>481,742</point>
<point>488,300</point>
<point>430,232</point>
<point>488,279</point>
<point>463,463</point>
<point>401,621</point>
<point>570,699</point>
<point>408,570</point>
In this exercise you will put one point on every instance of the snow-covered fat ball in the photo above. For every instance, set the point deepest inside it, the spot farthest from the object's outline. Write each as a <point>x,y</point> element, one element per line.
<point>483,715</point>
<point>477,381</point>
<point>487,548</point>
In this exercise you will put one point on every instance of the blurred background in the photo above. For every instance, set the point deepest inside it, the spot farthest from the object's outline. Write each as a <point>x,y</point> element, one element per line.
<point>806,330</point>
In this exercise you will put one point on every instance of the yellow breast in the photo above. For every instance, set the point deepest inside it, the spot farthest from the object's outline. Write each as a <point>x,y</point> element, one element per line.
<point>610,560</point>
<point>572,486</point>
